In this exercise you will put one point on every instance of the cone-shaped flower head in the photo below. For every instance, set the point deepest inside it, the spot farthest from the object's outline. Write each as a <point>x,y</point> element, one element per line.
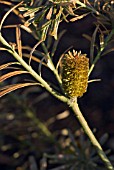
<point>74,73</point>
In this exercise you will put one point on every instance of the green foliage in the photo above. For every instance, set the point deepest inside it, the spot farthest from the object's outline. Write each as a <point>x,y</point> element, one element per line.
<point>47,16</point>
<point>41,20</point>
<point>77,154</point>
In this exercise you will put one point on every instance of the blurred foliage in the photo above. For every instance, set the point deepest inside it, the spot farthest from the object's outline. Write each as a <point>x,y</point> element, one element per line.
<point>26,141</point>
<point>77,154</point>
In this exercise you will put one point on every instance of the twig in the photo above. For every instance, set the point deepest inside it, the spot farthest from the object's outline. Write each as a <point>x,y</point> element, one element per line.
<point>52,65</point>
<point>31,71</point>
<point>73,105</point>
<point>62,98</point>
<point>91,136</point>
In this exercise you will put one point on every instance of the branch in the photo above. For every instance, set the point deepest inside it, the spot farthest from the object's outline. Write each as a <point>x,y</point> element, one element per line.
<point>31,71</point>
<point>73,105</point>
<point>91,136</point>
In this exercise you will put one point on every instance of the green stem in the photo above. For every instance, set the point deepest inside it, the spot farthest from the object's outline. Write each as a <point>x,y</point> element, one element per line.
<point>52,65</point>
<point>106,41</point>
<point>74,106</point>
<point>100,51</point>
<point>91,136</point>
<point>31,71</point>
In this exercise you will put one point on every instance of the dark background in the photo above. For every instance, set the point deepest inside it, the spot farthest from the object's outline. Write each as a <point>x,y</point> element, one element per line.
<point>97,104</point>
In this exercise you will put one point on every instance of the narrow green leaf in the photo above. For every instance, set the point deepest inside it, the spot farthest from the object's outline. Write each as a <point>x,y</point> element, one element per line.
<point>30,11</point>
<point>55,24</point>
<point>93,44</point>
<point>108,51</point>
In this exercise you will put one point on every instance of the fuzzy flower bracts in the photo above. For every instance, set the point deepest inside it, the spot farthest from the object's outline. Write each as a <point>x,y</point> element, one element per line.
<point>74,73</point>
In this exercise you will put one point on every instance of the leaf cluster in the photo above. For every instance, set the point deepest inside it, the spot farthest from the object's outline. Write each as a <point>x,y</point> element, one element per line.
<point>46,16</point>
<point>41,19</point>
<point>77,154</point>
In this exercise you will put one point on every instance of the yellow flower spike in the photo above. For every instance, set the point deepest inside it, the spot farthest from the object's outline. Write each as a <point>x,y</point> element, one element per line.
<point>74,73</point>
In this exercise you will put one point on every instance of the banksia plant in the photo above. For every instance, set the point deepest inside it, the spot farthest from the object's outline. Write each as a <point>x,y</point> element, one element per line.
<point>45,18</point>
<point>74,72</point>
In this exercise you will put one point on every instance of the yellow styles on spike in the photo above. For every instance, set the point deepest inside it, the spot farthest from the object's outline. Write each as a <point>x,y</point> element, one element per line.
<point>74,73</point>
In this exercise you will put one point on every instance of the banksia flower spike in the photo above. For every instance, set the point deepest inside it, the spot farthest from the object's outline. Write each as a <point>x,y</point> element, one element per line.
<point>74,73</point>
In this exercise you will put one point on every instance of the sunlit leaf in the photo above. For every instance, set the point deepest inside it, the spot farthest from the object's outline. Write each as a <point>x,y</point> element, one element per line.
<point>13,87</point>
<point>33,49</point>
<point>44,32</point>
<point>34,59</point>
<point>79,17</point>
<point>18,40</point>
<point>4,66</point>
<point>11,74</point>
<point>55,24</point>
<point>8,12</point>
<point>48,16</point>
<point>30,10</point>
